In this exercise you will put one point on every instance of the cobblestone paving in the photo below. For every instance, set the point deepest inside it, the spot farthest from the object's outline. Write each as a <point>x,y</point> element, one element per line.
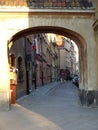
<point>61,106</point>
<point>52,107</point>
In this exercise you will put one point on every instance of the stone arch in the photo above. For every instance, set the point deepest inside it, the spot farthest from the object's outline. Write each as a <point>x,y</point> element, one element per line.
<point>76,37</point>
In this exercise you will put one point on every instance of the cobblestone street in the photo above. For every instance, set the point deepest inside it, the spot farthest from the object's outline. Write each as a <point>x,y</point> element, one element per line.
<point>57,108</point>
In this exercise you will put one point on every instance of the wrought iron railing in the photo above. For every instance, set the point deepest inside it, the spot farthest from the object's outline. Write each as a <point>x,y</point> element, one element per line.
<point>59,4</point>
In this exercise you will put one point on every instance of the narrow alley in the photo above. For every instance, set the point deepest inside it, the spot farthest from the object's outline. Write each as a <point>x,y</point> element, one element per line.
<point>52,107</point>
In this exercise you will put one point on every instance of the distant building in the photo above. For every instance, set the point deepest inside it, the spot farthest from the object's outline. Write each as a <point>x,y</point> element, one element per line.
<point>67,56</point>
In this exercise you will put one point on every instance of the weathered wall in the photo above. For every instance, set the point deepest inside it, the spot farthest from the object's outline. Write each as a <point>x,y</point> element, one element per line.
<point>96,6</point>
<point>18,49</point>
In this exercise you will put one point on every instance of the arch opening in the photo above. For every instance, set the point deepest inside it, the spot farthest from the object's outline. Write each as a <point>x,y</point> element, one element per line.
<point>77,38</point>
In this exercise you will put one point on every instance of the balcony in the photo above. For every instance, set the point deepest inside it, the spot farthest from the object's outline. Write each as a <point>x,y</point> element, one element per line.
<point>50,4</point>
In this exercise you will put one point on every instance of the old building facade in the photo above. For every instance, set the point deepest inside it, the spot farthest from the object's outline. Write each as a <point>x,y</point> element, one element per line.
<point>67,57</point>
<point>36,58</point>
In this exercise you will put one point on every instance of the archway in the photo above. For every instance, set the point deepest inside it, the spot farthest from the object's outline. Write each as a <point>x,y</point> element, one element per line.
<point>77,38</point>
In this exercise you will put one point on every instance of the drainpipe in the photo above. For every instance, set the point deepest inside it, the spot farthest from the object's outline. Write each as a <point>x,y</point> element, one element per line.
<point>35,64</point>
<point>27,72</point>
<point>42,62</point>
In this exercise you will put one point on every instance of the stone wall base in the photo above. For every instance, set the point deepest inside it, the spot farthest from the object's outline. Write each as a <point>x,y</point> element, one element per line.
<point>4,101</point>
<point>88,98</point>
